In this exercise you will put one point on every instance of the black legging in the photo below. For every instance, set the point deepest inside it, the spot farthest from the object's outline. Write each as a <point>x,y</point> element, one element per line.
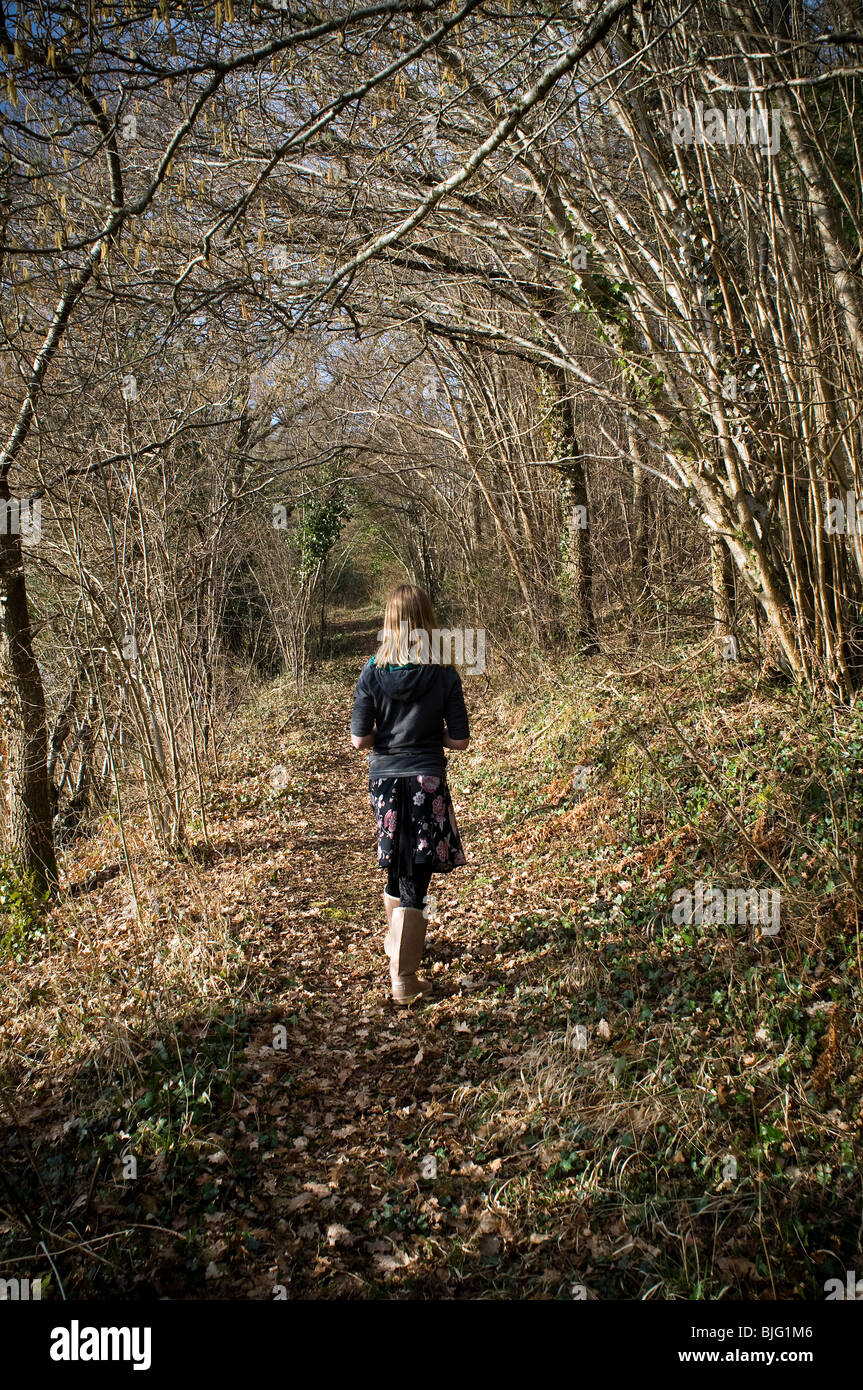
<point>410,890</point>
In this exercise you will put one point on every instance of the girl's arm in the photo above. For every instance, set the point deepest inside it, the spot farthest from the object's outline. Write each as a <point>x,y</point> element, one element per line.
<point>456,743</point>
<point>363,716</point>
<point>455,715</point>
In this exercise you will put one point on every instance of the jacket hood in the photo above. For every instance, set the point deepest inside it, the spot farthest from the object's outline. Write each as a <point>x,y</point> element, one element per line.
<point>406,682</point>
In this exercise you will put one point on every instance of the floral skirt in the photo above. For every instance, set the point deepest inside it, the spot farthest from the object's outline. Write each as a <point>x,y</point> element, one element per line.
<point>416,824</point>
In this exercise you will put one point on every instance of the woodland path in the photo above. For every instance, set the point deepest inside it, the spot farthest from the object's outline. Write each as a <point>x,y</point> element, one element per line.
<point>293,1130</point>
<point>381,1186</point>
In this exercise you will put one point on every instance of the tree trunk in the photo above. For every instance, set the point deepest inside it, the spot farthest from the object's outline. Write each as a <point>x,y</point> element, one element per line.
<point>640,575</point>
<point>559,431</point>
<point>725,642</point>
<point>578,560</point>
<point>323,629</point>
<point>31,833</point>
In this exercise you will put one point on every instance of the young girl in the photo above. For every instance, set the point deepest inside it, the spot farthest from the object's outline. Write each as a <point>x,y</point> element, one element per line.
<point>408,709</point>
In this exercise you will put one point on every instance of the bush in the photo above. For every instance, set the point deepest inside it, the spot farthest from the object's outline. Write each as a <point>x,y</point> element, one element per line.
<point>22,911</point>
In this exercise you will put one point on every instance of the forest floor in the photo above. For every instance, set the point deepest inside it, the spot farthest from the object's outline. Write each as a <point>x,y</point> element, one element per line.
<point>208,1093</point>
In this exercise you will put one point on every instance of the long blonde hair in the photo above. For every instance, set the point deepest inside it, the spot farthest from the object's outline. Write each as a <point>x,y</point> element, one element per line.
<point>409,621</point>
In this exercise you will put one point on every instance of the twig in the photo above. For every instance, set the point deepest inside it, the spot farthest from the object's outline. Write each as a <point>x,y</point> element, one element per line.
<point>56,1271</point>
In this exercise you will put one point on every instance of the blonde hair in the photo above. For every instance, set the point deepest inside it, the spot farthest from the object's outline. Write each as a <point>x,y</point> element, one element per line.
<point>409,621</point>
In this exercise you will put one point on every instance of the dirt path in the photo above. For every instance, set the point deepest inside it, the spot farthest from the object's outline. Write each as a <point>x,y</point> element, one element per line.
<point>305,1139</point>
<point>366,1184</point>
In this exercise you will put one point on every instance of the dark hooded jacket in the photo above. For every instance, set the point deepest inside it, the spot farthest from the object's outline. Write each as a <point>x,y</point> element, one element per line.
<point>408,707</point>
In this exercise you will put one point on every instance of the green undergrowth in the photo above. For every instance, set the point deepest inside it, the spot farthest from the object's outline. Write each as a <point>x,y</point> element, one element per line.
<point>22,913</point>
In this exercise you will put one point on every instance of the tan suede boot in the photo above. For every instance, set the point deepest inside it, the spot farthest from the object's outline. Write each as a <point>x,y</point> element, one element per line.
<point>407,937</point>
<point>390,905</point>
